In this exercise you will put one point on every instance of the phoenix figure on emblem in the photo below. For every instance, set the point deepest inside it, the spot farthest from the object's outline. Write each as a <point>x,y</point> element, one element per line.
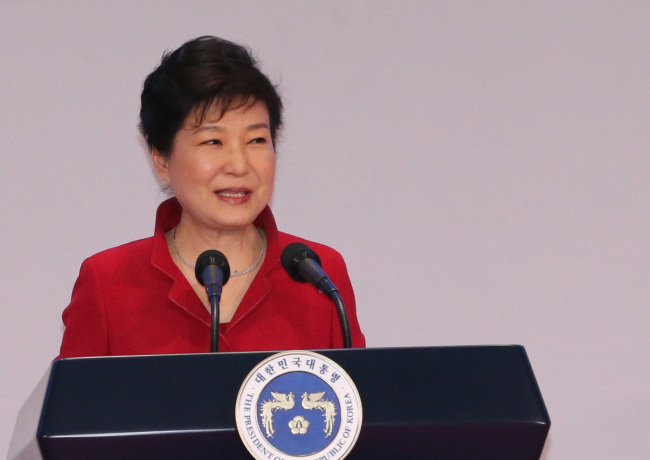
<point>281,401</point>
<point>316,401</point>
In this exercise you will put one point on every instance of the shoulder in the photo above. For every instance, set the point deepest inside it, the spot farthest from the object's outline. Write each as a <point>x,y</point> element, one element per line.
<point>123,255</point>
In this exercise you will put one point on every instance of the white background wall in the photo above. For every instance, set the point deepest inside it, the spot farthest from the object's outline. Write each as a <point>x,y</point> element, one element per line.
<point>482,165</point>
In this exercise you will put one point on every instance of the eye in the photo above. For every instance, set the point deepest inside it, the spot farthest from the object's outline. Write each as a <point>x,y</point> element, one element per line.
<point>211,142</point>
<point>258,140</point>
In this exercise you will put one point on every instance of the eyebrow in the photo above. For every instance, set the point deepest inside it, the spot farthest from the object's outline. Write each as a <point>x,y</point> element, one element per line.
<point>215,127</point>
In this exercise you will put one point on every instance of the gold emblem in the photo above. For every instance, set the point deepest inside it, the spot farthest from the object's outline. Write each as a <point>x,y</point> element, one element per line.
<point>280,401</point>
<point>316,401</point>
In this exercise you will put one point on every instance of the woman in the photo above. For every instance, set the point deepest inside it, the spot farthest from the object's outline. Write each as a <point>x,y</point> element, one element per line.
<point>211,120</point>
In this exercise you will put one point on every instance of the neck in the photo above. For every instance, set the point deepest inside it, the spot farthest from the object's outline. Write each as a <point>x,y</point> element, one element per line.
<point>242,247</point>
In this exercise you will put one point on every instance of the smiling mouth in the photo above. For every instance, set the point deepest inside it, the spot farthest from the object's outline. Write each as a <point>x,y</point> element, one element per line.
<point>231,194</point>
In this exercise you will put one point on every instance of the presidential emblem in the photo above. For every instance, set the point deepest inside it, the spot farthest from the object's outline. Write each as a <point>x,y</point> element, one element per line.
<point>298,405</point>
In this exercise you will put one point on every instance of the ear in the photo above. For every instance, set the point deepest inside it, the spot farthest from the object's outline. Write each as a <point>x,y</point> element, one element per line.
<point>160,162</point>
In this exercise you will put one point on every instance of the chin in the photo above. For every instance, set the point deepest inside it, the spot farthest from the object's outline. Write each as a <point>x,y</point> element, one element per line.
<point>235,224</point>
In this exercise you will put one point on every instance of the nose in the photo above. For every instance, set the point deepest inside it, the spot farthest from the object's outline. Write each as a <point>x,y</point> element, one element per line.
<point>237,162</point>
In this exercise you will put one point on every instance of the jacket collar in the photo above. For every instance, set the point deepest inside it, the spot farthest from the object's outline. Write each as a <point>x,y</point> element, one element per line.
<point>181,293</point>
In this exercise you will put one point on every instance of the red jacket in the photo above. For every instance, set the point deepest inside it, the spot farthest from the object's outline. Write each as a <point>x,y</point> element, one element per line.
<point>133,300</point>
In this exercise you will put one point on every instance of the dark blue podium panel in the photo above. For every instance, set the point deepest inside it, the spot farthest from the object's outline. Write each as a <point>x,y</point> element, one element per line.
<point>433,402</point>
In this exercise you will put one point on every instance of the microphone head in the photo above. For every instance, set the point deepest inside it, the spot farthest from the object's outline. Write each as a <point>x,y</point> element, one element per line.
<point>211,257</point>
<point>292,255</point>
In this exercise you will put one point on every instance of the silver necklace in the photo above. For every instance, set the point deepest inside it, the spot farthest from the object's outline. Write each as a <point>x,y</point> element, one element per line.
<point>234,272</point>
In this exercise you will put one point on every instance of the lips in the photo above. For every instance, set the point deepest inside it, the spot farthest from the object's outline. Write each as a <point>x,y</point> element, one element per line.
<point>234,195</point>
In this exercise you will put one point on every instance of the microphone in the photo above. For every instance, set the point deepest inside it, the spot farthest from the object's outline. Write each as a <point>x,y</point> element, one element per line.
<point>303,265</point>
<point>213,271</point>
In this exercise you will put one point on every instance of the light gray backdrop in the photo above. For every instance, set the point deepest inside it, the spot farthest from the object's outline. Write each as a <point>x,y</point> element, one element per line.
<point>482,165</point>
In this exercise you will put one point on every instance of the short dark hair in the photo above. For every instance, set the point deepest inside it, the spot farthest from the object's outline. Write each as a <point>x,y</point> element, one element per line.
<point>207,73</point>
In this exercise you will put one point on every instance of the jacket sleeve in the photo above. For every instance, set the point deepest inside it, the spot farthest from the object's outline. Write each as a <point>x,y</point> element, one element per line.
<point>86,331</point>
<point>341,280</point>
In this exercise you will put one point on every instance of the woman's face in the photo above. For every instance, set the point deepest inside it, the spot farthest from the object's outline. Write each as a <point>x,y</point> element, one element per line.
<point>222,171</point>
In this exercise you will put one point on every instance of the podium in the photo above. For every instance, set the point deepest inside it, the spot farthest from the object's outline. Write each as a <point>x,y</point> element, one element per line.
<point>475,402</point>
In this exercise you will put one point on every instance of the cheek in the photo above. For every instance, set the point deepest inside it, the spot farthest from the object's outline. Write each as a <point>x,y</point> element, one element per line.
<point>266,170</point>
<point>270,173</point>
<point>191,171</point>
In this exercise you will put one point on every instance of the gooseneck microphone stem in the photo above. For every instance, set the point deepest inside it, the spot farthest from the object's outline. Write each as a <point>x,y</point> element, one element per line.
<point>310,269</point>
<point>214,296</point>
<point>214,325</point>
<point>212,271</point>
<point>343,317</point>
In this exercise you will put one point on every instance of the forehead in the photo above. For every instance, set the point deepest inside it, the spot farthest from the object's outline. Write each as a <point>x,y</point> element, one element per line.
<point>242,112</point>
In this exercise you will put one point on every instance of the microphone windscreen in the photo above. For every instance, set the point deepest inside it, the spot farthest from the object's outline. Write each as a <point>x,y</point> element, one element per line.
<point>211,257</point>
<point>291,257</point>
